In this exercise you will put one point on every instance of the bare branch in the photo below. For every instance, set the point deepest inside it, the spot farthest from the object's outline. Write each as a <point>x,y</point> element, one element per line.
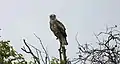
<point>30,51</point>
<point>37,50</point>
<point>108,53</point>
<point>43,48</point>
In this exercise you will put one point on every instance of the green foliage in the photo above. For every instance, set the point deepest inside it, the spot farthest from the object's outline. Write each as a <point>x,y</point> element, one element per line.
<point>57,61</point>
<point>8,55</point>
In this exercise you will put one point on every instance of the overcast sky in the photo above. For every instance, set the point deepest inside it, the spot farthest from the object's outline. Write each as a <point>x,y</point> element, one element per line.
<point>21,18</point>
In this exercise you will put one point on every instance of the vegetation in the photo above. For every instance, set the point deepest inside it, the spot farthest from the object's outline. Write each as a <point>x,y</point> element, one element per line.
<point>8,55</point>
<point>107,51</point>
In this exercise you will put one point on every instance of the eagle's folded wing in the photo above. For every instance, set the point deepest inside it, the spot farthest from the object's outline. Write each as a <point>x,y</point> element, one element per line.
<point>61,25</point>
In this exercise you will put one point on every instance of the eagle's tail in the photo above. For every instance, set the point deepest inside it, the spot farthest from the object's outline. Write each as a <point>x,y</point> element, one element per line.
<point>64,41</point>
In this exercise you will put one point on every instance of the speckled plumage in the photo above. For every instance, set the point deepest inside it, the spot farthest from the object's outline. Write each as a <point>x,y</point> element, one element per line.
<point>58,29</point>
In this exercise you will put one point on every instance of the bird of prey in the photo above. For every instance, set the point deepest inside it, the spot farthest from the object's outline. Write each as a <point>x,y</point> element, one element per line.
<point>58,29</point>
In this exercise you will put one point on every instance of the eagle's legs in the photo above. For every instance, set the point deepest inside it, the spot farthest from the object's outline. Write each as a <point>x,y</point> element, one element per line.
<point>56,34</point>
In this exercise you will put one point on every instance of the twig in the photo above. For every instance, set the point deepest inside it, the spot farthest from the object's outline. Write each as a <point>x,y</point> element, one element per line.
<point>43,47</point>
<point>30,51</point>
<point>37,50</point>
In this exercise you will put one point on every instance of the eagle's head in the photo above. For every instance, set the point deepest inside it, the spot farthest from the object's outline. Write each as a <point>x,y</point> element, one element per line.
<point>52,17</point>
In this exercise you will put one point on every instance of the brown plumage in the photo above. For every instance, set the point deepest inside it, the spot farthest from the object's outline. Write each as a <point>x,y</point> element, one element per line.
<point>58,29</point>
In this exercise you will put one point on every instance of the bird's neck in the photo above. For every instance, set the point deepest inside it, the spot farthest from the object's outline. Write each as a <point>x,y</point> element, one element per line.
<point>53,20</point>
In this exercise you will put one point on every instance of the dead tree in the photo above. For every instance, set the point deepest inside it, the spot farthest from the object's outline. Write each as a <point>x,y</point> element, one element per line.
<point>30,52</point>
<point>37,56</point>
<point>107,50</point>
<point>47,56</point>
<point>62,53</point>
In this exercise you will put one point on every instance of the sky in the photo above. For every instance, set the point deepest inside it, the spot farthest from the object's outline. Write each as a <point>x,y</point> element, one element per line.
<point>19,19</point>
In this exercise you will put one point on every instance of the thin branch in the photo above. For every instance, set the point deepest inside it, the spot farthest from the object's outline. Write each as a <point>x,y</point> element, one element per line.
<point>110,50</point>
<point>77,39</point>
<point>37,53</point>
<point>43,47</point>
<point>30,51</point>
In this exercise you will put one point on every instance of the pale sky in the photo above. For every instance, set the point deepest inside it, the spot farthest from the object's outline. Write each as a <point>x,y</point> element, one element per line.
<point>21,18</point>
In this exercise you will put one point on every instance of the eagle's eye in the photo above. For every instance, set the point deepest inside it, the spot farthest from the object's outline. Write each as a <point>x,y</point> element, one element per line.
<point>52,16</point>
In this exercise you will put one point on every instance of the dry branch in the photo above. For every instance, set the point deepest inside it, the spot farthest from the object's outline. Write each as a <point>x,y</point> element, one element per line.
<point>107,53</point>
